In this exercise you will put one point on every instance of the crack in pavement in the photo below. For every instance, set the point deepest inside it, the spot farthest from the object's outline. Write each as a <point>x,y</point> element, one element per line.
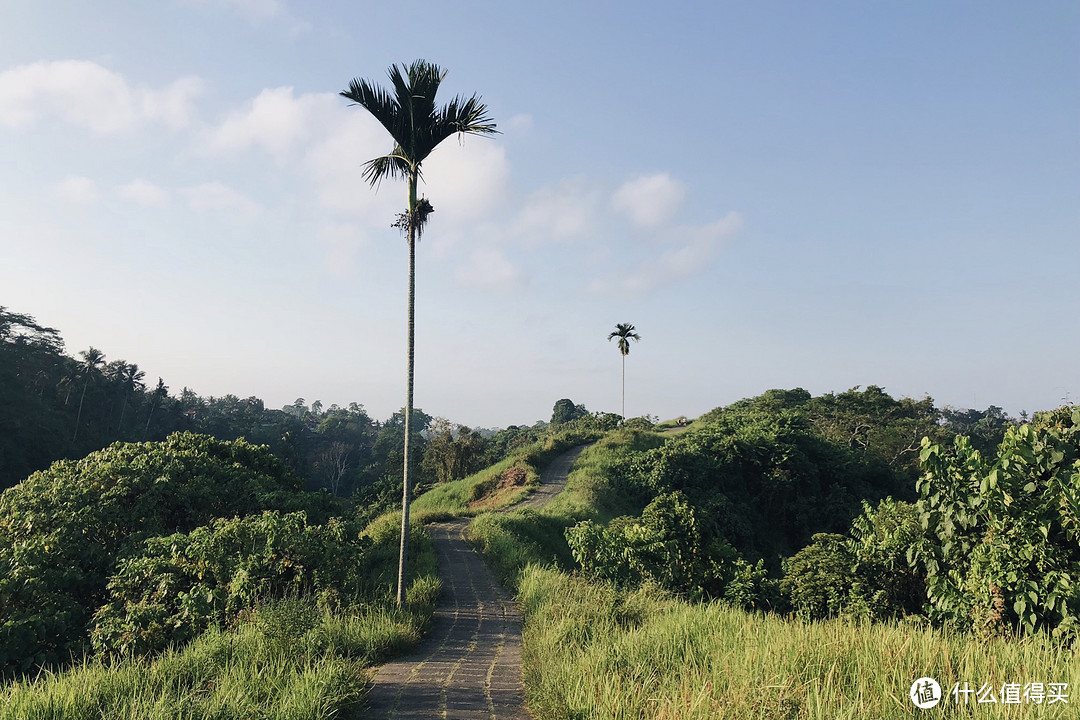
<point>468,667</point>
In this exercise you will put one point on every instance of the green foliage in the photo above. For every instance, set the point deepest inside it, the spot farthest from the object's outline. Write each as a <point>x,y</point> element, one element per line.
<point>817,579</point>
<point>1002,545</point>
<point>664,546</point>
<point>178,585</point>
<point>884,583</point>
<point>453,452</point>
<point>869,422</point>
<point>387,458</point>
<point>285,660</point>
<point>565,411</point>
<point>33,427</point>
<point>985,429</point>
<point>640,423</point>
<point>863,574</point>
<point>763,482</point>
<point>63,529</point>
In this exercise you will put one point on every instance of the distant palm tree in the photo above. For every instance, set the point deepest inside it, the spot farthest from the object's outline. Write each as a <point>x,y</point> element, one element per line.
<point>131,379</point>
<point>160,392</point>
<point>89,369</point>
<point>625,333</point>
<point>417,126</point>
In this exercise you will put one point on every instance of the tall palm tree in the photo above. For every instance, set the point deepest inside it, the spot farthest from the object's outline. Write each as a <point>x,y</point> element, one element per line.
<point>160,392</point>
<point>90,370</point>
<point>417,126</point>
<point>625,333</point>
<point>131,381</point>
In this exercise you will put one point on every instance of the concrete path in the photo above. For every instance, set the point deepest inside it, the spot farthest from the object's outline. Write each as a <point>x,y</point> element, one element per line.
<point>469,665</point>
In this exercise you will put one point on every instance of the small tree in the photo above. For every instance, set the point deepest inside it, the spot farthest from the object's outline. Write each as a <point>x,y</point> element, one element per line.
<point>566,411</point>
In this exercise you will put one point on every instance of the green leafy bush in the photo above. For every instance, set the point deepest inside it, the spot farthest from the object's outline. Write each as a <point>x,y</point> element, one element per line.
<point>884,583</point>
<point>865,573</point>
<point>817,580</point>
<point>181,584</point>
<point>764,483</point>
<point>63,529</point>
<point>665,546</point>
<point>1002,545</point>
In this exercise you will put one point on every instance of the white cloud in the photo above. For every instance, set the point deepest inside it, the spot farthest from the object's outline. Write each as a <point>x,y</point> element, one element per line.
<point>218,197</point>
<point>175,105</point>
<point>334,164</point>
<point>274,121</point>
<point>78,189</point>
<point>143,192</point>
<point>691,257</point>
<point>465,178</point>
<point>88,95</point>
<point>558,213</point>
<point>650,201</point>
<point>332,140</point>
<point>490,268</point>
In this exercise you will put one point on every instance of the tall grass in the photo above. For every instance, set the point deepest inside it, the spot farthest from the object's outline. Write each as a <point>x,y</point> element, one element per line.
<point>592,650</point>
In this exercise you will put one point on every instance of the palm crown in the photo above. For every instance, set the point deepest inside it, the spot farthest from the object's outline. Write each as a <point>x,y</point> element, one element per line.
<point>409,114</point>
<point>625,333</point>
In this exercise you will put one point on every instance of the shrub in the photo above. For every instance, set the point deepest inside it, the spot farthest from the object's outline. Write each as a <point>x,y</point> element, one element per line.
<point>817,579</point>
<point>665,546</point>
<point>865,573</point>
<point>885,584</point>
<point>63,529</point>
<point>1002,543</point>
<point>183,583</point>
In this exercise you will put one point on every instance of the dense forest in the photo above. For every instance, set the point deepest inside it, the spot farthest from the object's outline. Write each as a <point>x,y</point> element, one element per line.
<point>54,406</point>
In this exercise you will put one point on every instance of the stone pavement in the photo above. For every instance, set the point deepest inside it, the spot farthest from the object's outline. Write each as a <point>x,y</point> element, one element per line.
<point>468,667</point>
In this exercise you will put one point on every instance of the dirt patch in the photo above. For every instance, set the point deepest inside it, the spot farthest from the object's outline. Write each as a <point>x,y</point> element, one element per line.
<point>499,489</point>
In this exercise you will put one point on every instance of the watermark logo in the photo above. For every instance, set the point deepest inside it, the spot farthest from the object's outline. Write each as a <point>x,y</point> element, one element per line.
<point>925,693</point>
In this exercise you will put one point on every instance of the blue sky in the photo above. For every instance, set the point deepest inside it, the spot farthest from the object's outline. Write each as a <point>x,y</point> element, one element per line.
<point>822,195</point>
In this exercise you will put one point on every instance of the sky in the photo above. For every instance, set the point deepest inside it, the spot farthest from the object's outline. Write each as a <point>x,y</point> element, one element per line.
<point>775,194</point>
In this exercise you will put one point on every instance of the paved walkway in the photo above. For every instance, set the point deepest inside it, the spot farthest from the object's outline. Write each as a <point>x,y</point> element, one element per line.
<point>468,667</point>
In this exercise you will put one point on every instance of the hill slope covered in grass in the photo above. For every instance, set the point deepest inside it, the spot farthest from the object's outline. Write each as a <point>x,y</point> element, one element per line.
<point>638,604</point>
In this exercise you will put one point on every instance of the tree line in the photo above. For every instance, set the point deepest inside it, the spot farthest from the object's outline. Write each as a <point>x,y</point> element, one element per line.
<point>54,406</point>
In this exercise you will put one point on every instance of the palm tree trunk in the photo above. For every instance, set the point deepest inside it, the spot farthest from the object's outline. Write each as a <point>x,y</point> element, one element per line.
<point>406,489</point>
<point>624,388</point>
<point>146,430</point>
<point>78,416</point>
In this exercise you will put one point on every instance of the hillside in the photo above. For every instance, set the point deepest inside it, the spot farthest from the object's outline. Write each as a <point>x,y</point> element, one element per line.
<point>785,556</point>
